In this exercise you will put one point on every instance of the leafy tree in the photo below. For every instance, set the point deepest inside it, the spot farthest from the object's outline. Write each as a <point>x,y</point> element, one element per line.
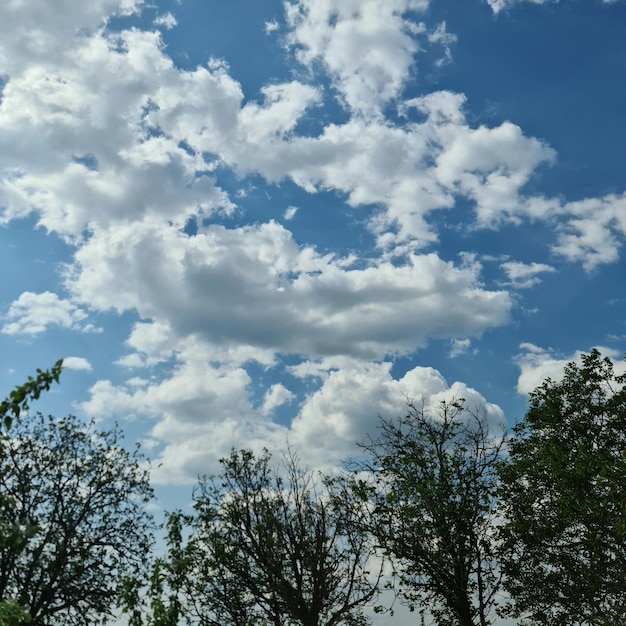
<point>564,537</point>
<point>77,521</point>
<point>429,482</point>
<point>164,600</point>
<point>270,547</point>
<point>11,613</point>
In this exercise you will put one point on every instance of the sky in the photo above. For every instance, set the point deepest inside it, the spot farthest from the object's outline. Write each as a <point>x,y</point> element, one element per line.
<point>258,222</point>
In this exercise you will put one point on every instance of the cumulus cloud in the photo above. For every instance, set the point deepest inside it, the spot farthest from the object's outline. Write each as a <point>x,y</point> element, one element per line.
<point>115,148</point>
<point>77,363</point>
<point>276,396</point>
<point>76,147</point>
<point>202,411</point>
<point>303,302</point>
<point>367,46</point>
<point>37,31</point>
<point>347,405</point>
<point>594,230</point>
<point>117,116</point>
<point>32,313</point>
<point>536,364</point>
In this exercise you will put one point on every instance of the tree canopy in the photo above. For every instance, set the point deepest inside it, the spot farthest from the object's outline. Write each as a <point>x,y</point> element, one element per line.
<point>458,510</point>
<point>564,537</point>
<point>73,519</point>
<point>271,546</point>
<point>430,485</point>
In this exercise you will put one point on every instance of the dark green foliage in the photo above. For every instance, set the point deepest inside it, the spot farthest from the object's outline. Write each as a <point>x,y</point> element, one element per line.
<point>564,493</point>
<point>430,486</point>
<point>73,519</point>
<point>12,614</point>
<point>270,547</point>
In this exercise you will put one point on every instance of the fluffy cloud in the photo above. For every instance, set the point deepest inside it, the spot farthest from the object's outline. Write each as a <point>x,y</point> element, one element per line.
<point>536,364</point>
<point>594,230</point>
<point>112,131</point>
<point>367,46</point>
<point>254,286</point>
<point>276,396</point>
<point>37,30</point>
<point>116,148</point>
<point>490,166</point>
<point>202,410</point>
<point>77,363</point>
<point>347,405</point>
<point>32,313</point>
<point>76,148</point>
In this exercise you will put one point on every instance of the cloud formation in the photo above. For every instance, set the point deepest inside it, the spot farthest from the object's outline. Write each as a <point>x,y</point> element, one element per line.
<point>33,313</point>
<point>120,152</point>
<point>536,364</point>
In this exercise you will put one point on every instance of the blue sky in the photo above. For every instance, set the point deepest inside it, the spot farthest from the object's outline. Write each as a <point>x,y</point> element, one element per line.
<point>247,222</point>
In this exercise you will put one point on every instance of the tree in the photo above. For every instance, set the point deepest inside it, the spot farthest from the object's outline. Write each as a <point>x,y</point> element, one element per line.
<point>77,521</point>
<point>164,600</point>
<point>11,613</point>
<point>429,483</point>
<point>564,537</point>
<point>270,547</point>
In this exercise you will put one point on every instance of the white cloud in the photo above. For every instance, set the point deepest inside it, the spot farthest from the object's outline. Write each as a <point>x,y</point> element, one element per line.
<point>89,115</point>
<point>536,364</point>
<point>525,275</point>
<point>271,26</point>
<point>594,230</point>
<point>91,103</point>
<point>490,166</point>
<point>500,5</point>
<point>103,137</point>
<point>39,30</point>
<point>77,363</point>
<point>32,313</point>
<point>290,212</point>
<point>459,347</point>
<point>445,39</point>
<point>366,46</point>
<point>347,405</point>
<point>167,20</point>
<point>276,396</point>
<point>201,411</point>
<point>275,295</point>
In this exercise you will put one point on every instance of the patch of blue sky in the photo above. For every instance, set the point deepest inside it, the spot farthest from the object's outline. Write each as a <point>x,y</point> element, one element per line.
<point>233,31</point>
<point>30,258</point>
<point>555,71</point>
